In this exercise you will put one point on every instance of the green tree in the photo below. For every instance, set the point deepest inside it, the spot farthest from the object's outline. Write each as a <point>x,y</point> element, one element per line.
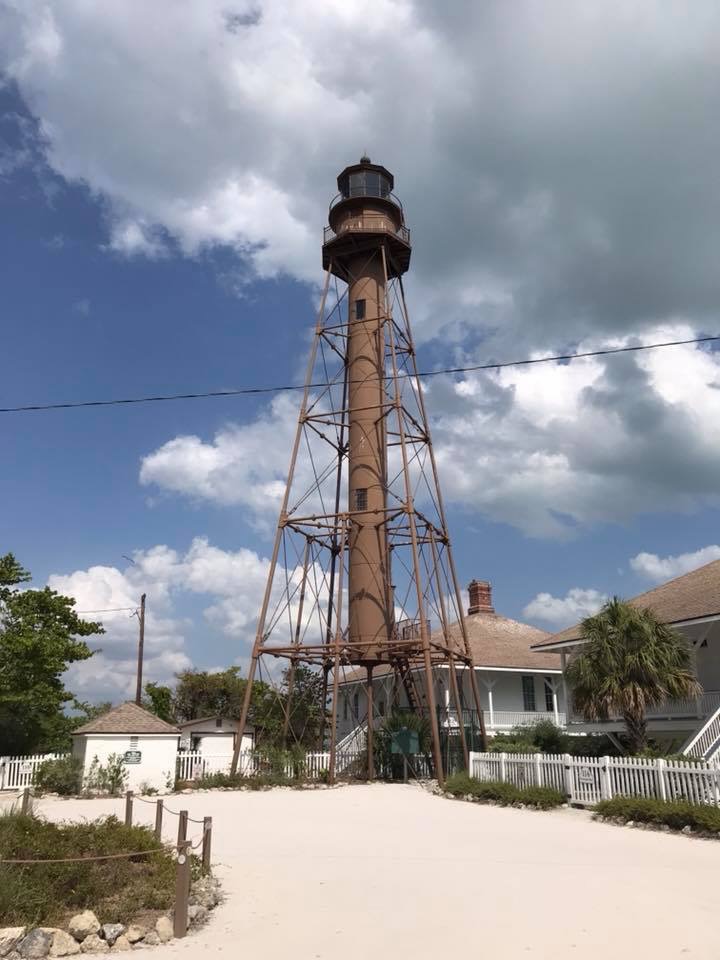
<point>307,709</point>
<point>160,701</point>
<point>629,663</point>
<point>199,693</point>
<point>39,639</point>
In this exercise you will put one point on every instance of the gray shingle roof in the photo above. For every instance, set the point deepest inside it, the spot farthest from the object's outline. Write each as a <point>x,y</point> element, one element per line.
<point>692,596</point>
<point>127,718</point>
<point>495,641</point>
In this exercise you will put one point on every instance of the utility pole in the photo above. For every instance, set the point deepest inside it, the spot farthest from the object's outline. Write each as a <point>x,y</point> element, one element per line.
<point>141,645</point>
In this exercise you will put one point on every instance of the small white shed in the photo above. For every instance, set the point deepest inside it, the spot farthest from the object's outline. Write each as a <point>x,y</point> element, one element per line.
<point>214,736</point>
<point>147,744</point>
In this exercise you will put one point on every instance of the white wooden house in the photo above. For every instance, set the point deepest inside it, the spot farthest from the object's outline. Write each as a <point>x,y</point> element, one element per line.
<point>147,744</point>
<point>517,686</point>
<point>691,604</point>
<point>214,736</point>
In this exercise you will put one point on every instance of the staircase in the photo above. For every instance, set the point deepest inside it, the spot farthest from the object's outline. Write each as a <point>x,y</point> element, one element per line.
<point>704,744</point>
<point>405,675</point>
<point>351,749</point>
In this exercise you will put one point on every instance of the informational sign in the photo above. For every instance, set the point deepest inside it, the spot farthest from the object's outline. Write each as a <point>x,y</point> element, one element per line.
<point>585,775</point>
<point>132,756</point>
<point>405,741</point>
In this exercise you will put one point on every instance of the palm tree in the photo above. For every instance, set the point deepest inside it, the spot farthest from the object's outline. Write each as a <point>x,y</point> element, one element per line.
<point>630,662</point>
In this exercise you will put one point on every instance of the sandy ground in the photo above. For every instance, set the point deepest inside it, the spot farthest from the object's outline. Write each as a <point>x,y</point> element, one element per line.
<point>389,871</point>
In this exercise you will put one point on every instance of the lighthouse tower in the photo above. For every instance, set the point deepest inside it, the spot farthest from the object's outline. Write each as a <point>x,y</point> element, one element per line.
<point>361,580</point>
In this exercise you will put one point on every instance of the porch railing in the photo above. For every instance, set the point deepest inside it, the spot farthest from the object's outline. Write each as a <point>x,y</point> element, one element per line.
<point>694,708</point>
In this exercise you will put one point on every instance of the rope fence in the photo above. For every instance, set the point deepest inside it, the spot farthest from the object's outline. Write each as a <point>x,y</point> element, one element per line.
<point>182,848</point>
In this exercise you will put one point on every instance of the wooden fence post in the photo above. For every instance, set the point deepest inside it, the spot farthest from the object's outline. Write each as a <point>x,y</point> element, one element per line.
<point>25,808</point>
<point>660,767</point>
<point>182,888</point>
<point>503,767</point>
<point>128,808</point>
<point>538,771</point>
<point>567,765</point>
<point>158,819</point>
<point>206,844</point>
<point>182,827</point>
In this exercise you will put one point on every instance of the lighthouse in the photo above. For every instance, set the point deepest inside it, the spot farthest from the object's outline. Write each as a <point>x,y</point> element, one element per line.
<point>361,577</point>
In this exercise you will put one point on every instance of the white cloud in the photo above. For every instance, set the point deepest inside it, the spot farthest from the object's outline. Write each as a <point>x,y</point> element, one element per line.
<point>132,237</point>
<point>232,582</point>
<point>658,569</point>
<point>544,169</point>
<point>563,611</point>
<point>547,448</point>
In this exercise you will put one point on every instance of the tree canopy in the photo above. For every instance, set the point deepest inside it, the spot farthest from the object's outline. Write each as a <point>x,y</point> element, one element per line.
<point>629,663</point>
<point>40,636</point>
<point>199,693</point>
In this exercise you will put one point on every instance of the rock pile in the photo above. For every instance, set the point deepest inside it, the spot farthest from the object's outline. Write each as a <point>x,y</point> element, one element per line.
<point>85,933</point>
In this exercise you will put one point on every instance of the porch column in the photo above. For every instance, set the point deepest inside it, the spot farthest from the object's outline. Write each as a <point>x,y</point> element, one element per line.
<point>553,688</point>
<point>566,694</point>
<point>489,684</point>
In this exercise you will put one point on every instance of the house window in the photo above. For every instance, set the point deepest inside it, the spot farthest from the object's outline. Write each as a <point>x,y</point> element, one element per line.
<point>356,705</point>
<point>361,498</point>
<point>134,743</point>
<point>359,309</point>
<point>345,707</point>
<point>381,708</point>
<point>528,689</point>
<point>218,721</point>
<point>549,705</point>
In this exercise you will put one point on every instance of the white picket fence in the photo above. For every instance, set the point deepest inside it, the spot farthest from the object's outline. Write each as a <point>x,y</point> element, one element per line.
<point>19,772</point>
<point>587,780</point>
<point>194,765</point>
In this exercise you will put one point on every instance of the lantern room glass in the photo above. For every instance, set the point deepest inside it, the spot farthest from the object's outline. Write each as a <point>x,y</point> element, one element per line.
<point>366,183</point>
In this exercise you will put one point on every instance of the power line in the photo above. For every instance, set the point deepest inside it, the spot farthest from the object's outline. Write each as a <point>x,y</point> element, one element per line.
<point>106,610</point>
<point>283,388</point>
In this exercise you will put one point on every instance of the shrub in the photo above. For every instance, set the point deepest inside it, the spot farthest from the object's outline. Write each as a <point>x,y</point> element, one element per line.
<point>505,794</point>
<point>110,777</point>
<point>49,894</point>
<point>672,813</point>
<point>259,782</point>
<point>63,776</point>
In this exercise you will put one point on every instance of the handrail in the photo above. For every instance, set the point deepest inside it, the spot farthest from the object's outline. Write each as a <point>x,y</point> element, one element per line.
<point>701,743</point>
<point>354,194</point>
<point>366,224</point>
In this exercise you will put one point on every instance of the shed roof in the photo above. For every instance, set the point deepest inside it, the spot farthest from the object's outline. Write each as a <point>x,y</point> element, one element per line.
<point>693,596</point>
<point>127,718</point>
<point>230,721</point>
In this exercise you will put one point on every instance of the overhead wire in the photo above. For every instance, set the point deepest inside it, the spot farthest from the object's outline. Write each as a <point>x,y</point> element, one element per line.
<point>422,374</point>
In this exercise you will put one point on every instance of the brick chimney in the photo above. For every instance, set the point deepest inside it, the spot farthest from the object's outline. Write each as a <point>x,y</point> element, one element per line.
<point>480,592</point>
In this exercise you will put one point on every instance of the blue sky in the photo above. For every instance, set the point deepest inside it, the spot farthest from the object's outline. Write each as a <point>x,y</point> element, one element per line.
<point>156,243</point>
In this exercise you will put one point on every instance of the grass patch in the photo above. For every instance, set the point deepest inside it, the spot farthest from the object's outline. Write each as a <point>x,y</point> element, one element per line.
<point>504,794</point>
<point>116,890</point>
<point>675,814</point>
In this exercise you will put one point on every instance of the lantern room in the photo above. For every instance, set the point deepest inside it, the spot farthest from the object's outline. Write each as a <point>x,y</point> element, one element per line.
<point>364,216</point>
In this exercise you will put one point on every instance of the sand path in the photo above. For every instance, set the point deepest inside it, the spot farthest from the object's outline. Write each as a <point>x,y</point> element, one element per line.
<point>391,871</point>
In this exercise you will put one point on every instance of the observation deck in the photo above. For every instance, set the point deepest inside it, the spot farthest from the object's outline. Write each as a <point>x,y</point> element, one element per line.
<point>364,216</point>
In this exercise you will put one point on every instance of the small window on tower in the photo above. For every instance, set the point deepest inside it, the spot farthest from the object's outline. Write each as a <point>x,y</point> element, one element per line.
<point>361,498</point>
<point>359,309</point>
